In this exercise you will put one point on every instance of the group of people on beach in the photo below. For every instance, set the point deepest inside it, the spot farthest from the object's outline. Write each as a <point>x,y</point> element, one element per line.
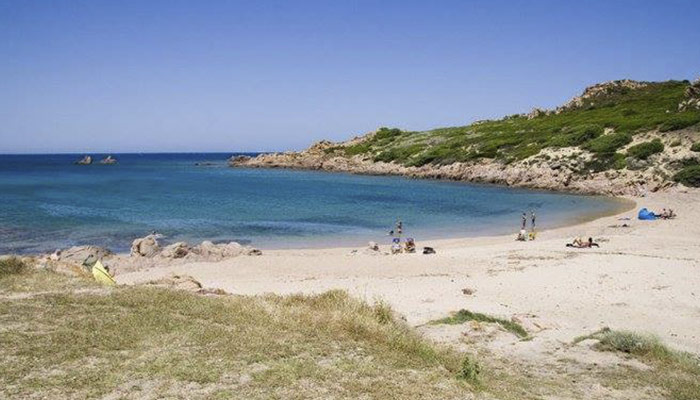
<point>409,244</point>
<point>523,235</point>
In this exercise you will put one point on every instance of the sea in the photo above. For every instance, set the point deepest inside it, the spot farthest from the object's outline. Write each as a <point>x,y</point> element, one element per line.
<point>47,202</point>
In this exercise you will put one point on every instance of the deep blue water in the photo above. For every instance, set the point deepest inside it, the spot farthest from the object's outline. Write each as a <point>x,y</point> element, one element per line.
<point>46,202</point>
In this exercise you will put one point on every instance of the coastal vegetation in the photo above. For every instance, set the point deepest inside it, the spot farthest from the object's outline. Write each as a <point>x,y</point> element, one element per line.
<point>603,122</point>
<point>675,372</point>
<point>91,342</point>
<point>689,176</point>
<point>12,266</point>
<point>463,316</point>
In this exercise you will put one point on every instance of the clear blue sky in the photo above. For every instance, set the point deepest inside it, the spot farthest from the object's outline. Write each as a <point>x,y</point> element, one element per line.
<point>79,76</point>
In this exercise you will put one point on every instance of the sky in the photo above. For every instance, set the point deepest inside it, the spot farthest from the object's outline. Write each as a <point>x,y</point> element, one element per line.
<point>191,76</point>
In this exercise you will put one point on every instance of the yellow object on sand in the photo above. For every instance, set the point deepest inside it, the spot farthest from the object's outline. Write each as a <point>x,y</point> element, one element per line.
<point>101,274</point>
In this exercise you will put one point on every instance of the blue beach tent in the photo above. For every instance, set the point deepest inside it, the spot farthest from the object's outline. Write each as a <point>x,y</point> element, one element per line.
<point>646,214</point>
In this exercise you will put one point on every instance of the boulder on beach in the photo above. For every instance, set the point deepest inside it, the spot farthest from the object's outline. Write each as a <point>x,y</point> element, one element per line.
<point>87,160</point>
<point>176,250</point>
<point>213,252</point>
<point>81,255</point>
<point>145,247</point>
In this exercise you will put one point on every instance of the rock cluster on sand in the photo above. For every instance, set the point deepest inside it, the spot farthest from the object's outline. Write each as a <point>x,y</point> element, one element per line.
<point>145,252</point>
<point>148,247</point>
<point>145,247</point>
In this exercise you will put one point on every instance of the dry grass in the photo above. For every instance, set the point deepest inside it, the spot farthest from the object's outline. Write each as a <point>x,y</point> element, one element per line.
<point>676,373</point>
<point>138,342</point>
<point>12,266</point>
<point>18,276</point>
<point>141,342</point>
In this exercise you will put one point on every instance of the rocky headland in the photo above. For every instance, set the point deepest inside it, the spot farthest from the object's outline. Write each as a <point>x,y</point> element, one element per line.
<point>616,138</point>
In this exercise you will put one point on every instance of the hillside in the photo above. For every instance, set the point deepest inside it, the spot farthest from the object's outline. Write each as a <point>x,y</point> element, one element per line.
<point>619,137</point>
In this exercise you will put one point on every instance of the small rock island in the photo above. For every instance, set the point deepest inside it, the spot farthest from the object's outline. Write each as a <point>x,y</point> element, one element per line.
<point>109,160</point>
<point>87,160</point>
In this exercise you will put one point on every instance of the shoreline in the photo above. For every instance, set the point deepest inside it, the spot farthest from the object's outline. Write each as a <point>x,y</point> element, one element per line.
<point>642,278</point>
<point>627,204</point>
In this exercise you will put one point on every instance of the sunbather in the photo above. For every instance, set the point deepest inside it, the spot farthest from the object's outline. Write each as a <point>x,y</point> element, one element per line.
<point>579,243</point>
<point>522,235</point>
<point>410,246</point>
<point>396,246</point>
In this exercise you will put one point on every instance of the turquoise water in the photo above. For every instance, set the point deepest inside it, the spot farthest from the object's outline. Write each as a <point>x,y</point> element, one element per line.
<point>46,202</point>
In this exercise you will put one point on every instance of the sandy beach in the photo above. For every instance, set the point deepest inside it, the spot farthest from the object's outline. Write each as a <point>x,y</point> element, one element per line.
<point>644,278</point>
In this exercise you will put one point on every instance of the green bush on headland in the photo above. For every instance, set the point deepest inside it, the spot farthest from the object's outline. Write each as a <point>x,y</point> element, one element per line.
<point>608,143</point>
<point>689,176</point>
<point>642,151</point>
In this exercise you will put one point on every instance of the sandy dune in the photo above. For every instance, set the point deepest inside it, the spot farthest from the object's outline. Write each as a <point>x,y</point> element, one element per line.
<point>645,277</point>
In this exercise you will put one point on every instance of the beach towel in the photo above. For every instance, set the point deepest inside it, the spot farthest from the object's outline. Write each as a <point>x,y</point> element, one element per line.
<point>645,214</point>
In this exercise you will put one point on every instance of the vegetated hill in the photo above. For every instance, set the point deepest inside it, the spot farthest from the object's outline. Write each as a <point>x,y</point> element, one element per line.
<point>629,132</point>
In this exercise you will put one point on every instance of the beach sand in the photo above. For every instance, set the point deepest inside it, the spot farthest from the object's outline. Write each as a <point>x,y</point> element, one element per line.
<point>644,278</point>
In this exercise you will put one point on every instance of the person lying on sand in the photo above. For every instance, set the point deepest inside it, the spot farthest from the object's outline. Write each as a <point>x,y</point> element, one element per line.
<point>666,214</point>
<point>579,243</point>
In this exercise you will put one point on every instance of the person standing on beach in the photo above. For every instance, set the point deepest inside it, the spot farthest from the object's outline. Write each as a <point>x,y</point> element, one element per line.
<point>532,217</point>
<point>399,226</point>
<point>524,222</point>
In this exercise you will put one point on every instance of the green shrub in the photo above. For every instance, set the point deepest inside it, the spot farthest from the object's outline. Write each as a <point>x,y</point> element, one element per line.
<point>608,143</point>
<point>605,161</point>
<point>577,136</point>
<point>463,316</point>
<point>642,151</point>
<point>689,176</point>
<point>386,133</point>
<point>359,148</point>
<point>695,147</point>
<point>12,266</point>
<point>470,370</point>
<point>399,154</point>
<point>680,121</point>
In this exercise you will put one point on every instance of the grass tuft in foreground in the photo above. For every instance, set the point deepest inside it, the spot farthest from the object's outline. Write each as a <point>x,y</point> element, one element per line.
<point>678,373</point>
<point>12,266</point>
<point>134,342</point>
<point>463,316</point>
